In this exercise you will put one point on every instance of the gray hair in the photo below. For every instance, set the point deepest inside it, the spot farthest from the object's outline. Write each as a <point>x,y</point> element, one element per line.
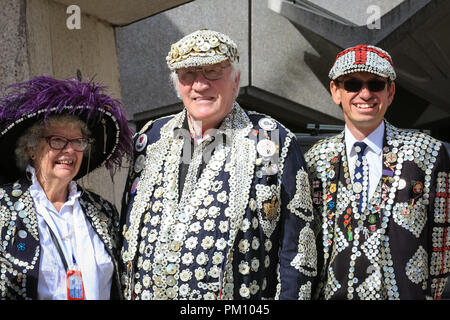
<point>235,71</point>
<point>29,140</point>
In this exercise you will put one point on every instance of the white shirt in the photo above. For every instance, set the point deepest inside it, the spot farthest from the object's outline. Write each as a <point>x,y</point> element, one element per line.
<point>373,155</point>
<point>84,245</point>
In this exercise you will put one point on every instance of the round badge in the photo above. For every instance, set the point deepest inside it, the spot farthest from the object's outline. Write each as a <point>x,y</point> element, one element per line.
<point>139,163</point>
<point>22,234</point>
<point>134,186</point>
<point>357,187</point>
<point>266,148</point>
<point>267,124</point>
<point>401,184</point>
<point>141,142</point>
<point>418,187</point>
<point>391,157</point>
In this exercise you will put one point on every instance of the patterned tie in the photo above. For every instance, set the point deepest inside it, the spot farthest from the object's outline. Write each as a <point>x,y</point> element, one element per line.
<point>358,179</point>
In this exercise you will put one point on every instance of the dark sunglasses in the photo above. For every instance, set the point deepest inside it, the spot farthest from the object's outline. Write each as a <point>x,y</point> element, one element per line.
<point>355,85</point>
<point>60,143</point>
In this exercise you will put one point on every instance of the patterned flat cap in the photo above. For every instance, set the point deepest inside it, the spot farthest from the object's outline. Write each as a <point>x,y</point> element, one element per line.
<point>200,48</point>
<point>363,58</point>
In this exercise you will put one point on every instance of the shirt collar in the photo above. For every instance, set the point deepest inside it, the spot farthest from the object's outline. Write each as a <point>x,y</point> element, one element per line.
<point>374,140</point>
<point>39,193</point>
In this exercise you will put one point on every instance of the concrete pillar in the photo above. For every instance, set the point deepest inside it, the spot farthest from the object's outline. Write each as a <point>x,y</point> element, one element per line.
<point>14,65</point>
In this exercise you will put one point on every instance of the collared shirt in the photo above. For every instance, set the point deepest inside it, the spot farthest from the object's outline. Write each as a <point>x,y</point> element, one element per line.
<point>78,241</point>
<point>373,155</point>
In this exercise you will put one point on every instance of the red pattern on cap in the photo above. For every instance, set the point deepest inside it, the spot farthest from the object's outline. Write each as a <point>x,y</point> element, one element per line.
<point>361,54</point>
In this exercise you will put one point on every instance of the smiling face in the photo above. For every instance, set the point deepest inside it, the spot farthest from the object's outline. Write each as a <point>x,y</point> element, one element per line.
<point>363,110</point>
<point>209,101</point>
<point>59,166</point>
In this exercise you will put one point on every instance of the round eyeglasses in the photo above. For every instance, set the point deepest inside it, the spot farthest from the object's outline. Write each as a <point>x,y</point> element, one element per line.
<point>60,143</point>
<point>213,72</point>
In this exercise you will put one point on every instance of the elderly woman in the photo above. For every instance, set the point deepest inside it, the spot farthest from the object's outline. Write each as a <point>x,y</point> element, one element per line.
<point>58,241</point>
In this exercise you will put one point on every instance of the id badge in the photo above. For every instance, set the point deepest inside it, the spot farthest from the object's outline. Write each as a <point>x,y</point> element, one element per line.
<point>75,287</point>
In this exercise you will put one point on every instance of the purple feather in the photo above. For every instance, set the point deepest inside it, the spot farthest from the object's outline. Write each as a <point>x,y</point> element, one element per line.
<point>44,92</point>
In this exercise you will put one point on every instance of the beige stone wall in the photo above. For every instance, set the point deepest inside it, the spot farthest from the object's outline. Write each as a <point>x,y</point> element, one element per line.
<point>56,50</point>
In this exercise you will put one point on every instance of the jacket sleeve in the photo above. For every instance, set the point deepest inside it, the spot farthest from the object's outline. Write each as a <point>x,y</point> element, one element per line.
<point>298,256</point>
<point>438,215</point>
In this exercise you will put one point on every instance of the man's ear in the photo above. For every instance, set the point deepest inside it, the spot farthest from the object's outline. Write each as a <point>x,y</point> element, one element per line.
<point>237,81</point>
<point>391,92</point>
<point>335,93</point>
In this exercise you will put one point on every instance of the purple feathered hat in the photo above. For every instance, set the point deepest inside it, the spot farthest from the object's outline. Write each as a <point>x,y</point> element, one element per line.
<point>27,102</point>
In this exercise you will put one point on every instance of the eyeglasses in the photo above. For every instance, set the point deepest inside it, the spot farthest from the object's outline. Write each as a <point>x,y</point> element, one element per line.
<point>214,72</point>
<point>355,85</point>
<point>59,143</point>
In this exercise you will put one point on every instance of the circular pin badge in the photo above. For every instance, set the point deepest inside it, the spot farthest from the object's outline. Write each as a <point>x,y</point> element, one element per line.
<point>134,186</point>
<point>401,184</point>
<point>139,163</point>
<point>266,148</point>
<point>391,157</point>
<point>22,234</point>
<point>141,142</point>
<point>267,124</point>
<point>418,187</point>
<point>357,187</point>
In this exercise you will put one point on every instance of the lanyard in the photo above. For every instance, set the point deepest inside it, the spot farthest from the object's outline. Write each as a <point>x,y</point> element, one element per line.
<point>58,247</point>
<point>51,227</point>
<point>74,280</point>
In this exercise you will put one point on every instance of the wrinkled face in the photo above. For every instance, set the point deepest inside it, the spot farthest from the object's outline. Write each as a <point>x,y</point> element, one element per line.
<point>364,109</point>
<point>210,101</point>
<point>57,165</point>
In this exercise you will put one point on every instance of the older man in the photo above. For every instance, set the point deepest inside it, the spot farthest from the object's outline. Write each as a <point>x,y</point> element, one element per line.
<point>382,193</point>
<point>218,203</point>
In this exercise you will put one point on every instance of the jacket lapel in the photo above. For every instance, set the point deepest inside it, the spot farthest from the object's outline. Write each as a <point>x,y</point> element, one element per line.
<point>100,221</point>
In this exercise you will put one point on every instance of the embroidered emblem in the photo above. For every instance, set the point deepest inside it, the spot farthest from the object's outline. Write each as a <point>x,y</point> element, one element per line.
<point>271,209</point>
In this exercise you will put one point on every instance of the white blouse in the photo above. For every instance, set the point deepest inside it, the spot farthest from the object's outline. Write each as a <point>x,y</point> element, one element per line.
<point>78,241</point>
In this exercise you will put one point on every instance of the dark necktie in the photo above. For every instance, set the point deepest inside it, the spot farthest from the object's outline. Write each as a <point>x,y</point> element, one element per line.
<point>358,178</point>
